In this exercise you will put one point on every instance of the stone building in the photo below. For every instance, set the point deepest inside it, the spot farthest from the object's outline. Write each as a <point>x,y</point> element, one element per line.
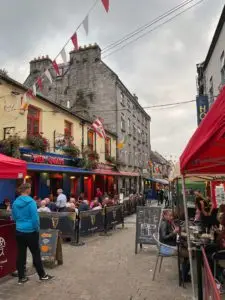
<point>87,86</point>
<point>161,167</point>
<point>211,72</point>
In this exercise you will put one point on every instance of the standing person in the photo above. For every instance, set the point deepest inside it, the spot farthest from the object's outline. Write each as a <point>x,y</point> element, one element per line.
<point>166,197</point>
<point>99,195</point>
<point>25,214</point>
<point>203,210</point>
<point>61,201</point>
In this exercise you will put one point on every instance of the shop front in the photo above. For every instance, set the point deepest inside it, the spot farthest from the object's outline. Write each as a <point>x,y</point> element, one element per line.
<point>49,172</point>
<point>106,178</point>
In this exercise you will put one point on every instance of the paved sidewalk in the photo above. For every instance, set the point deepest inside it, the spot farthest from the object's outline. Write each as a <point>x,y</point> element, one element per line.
<point>106,268</point>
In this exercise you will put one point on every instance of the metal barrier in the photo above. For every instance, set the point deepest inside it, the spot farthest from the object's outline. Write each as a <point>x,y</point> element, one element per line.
<point>210,289</point>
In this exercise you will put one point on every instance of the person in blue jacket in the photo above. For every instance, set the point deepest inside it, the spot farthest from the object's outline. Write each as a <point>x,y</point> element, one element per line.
<point>25,214</point>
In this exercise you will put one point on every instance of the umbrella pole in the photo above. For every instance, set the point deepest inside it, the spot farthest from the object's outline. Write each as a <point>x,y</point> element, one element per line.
<point>188,235</point>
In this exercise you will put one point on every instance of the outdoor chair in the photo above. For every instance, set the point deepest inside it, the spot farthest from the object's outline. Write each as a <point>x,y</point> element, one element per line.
<point>163,251</point>
<point>218,260</point>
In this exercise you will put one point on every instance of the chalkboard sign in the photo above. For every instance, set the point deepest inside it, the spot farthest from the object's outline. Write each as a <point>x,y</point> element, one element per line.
<point>147,223</point>
<point>51,246</point>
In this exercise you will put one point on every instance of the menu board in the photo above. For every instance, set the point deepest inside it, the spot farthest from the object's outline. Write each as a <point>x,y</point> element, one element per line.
<point>147,224</point>
<point>50,245</point>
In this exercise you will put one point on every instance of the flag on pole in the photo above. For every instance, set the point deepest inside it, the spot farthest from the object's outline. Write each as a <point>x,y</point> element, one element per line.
<point>30,94</point>
<point>39,82</point>
<point>74,39</point>
<point>48,75</point>
<point>121,144</point>
<point>25,103</point>
<point>34,89</point>
<point>86,24</point>
<point>56,67</point>
<point>106,5</point>
<point>63,55</point>
<point>99,128</point>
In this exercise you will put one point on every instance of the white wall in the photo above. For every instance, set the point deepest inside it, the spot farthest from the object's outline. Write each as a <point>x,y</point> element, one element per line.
<point>214,65</point>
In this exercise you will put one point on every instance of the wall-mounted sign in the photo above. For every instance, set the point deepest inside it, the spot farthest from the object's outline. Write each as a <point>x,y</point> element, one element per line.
<point>48,158</point>
<point>44,159</point>
<point>202,103</point>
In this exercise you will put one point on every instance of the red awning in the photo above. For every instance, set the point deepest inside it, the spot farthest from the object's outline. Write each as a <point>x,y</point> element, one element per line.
<point>12,168</point>
<point>205,152</point>
<point>132,174</point>
<point>106,172</point>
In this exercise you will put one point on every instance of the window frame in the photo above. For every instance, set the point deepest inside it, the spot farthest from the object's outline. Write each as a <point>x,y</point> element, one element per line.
<point>91,146</point>
<point>32,119</point>
<point>108,147</point>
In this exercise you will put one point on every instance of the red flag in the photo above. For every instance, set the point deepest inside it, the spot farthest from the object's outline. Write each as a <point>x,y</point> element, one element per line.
<point>98,128</point>
<point>74,39</point>
<point>56,67</point>
<point>106,5</point>
<point>39,82</point>
<point>30,94</point>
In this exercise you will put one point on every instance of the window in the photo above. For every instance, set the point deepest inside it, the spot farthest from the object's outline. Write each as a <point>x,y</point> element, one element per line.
<point>211,90</point>
<point>134,132</point>
<point>33,120</point>
<point>107,147</point>
<point>123,124</point>
<point>128,104</point>
<point>68,131</point>
<point>91,140</point>
<point>130,158</point>
<point>128,125</point>
<point>122,98</point>
<point>222,70</point>
<point>139,134</point>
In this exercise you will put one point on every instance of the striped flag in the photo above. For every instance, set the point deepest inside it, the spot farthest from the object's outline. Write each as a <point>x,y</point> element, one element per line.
<point>99,128</point>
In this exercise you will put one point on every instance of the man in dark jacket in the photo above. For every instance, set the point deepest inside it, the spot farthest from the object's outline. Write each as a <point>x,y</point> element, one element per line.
<point>167,231</point>
<point>167,235</point>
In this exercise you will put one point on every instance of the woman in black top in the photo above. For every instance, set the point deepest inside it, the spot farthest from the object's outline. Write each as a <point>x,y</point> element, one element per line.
<point>205,207</point>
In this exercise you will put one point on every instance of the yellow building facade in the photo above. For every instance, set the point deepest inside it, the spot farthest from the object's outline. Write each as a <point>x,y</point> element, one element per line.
<point>52,122</point>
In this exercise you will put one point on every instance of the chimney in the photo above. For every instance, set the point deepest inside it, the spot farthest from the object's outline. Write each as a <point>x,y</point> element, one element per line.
<point>135,97</point>
<point>38,65</point>
<point>90,53</point>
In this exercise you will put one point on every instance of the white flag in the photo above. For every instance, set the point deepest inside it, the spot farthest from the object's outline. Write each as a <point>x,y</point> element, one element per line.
<point>48,75</point>
<point>63,55</point>
<point>34,89</point>
<point>86,24</point>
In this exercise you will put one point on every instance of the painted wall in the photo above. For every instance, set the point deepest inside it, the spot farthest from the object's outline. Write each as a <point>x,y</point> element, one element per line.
<point>51,119</point>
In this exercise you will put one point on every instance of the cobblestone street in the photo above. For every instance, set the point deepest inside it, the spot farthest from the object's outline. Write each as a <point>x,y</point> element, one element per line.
<point>105,268</point>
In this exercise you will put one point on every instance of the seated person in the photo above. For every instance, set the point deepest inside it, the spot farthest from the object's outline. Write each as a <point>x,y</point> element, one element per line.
<point>96,205</point>
<point>6,204</point>
<point>212,250</point>
<point>83,206</point>
<point>94,202</point>
<point>167,231</point>
<point>168,235</point>
<point>43,207</point>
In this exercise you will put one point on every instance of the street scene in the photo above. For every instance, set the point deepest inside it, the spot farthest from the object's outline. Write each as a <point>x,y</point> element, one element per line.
<point>112,166</point>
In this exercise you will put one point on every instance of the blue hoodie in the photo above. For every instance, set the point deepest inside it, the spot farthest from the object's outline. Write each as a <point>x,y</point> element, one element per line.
<point>25,214</point>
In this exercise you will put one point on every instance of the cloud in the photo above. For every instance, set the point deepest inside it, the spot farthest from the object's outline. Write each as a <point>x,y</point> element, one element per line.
<point>160,68</point>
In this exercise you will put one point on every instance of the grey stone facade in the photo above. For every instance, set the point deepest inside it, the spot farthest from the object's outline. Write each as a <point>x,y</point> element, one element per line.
<point>88,86</point>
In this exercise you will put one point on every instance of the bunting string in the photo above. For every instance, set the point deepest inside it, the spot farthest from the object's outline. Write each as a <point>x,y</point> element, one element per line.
<point>31,93</point>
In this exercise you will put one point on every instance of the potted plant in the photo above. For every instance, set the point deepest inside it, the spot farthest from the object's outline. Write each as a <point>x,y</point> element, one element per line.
<point>71,150</point>
<point>91,158</point>
<point>37,142</point>
<point>10,146</point>
<point>110,159</point>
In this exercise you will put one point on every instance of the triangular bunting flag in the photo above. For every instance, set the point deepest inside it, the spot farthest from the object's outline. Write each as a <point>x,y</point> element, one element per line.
<point>63,55</point>
<point>86,24</point>
<point>106,5</point>
<point>34,89</point>
<point>74,39</point>
<point>48,75</point>
<point>30,94</point>
<point>39,82</point>
<point>56,67</point>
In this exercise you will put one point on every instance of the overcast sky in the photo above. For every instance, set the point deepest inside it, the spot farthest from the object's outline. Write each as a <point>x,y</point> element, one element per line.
<point>160,68</point>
